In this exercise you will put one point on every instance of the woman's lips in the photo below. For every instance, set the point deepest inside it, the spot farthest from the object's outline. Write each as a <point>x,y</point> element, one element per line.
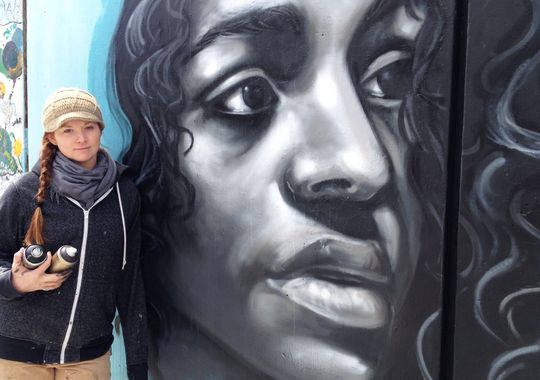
<point>340,280</point>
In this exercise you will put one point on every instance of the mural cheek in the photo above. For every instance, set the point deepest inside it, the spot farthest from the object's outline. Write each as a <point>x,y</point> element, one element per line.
<point>224,242</point>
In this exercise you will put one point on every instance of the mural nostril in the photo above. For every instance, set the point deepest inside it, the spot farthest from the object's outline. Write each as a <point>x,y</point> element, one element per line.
<point>330,185</point>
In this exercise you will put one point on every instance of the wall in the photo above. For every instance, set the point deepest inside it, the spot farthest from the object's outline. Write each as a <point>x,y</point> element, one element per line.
<point>330,190</point>
<point>73,52</point>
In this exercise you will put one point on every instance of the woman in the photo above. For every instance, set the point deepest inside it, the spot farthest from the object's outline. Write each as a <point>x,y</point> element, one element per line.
<point>77,195</point>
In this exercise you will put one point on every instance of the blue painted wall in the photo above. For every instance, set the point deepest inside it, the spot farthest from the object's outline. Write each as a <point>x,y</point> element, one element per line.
<point>68,43</point>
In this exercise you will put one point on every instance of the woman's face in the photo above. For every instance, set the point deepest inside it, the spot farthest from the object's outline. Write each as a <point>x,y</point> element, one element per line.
<point>304,234</point>
<point>78,140</point>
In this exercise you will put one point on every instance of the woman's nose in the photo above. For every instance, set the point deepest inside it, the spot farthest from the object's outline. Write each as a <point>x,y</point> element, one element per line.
<point>80,136</point>
<point>342,156</point>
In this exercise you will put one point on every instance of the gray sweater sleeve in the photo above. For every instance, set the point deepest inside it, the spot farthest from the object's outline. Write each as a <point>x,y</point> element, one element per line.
<point>12,213</point>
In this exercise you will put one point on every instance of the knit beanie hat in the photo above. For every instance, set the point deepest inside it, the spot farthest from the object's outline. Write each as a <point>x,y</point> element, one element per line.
<point>67,104</point>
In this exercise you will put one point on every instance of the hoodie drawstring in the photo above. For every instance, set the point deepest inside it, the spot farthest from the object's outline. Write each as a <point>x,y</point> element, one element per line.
<point>123,225</point>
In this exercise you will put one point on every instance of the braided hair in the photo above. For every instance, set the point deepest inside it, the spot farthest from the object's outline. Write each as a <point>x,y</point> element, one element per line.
<point>34,234</point>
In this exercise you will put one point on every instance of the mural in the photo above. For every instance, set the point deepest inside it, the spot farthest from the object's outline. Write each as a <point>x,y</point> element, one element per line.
<point>291,156</point>
<point>498,284</point>
<point>331,189</point>
<point>12,155</point>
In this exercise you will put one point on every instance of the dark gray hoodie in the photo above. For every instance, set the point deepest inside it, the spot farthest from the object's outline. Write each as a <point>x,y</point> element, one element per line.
<point>74,322</point>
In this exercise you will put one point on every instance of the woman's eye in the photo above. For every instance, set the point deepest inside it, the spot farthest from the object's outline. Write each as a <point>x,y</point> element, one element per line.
<point>250,97</point>
<point>392,81</point>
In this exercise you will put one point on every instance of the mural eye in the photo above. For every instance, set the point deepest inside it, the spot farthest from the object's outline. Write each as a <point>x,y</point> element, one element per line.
<point>250,97</point>
<point>389,77</point>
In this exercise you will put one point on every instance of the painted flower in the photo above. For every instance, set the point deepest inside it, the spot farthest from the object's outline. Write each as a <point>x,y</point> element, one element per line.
<point>17,147</point>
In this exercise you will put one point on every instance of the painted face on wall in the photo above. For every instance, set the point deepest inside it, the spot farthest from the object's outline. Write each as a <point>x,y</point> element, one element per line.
<point>304,232</point>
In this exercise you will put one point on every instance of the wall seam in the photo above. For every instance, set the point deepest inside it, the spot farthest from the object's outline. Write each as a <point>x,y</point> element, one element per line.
<point>453,185</point>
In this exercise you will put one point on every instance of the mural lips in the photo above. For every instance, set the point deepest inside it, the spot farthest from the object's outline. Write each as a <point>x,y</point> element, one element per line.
<point>342,280</point>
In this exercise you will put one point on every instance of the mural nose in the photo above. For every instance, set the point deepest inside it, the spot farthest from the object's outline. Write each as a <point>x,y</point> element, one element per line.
<point>341,155</point>
<point>357,182</point>
<point>342,159</point>
<point>339,184</point>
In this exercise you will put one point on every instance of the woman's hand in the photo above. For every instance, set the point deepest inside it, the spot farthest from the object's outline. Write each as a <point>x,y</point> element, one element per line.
<point>26,280</point>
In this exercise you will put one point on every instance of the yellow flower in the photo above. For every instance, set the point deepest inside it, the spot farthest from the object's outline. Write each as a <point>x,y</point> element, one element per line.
<point>17,147</point>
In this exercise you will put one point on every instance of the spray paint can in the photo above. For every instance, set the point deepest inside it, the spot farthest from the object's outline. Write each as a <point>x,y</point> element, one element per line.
<point>33,256</point>
<point>63,259</point>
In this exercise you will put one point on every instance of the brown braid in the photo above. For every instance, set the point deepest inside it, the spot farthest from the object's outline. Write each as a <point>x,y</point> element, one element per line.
<point>34,234</point>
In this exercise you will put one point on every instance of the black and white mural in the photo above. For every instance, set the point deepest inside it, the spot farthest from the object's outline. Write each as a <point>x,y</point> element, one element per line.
<point>332,189</point>
<point>292,159</point>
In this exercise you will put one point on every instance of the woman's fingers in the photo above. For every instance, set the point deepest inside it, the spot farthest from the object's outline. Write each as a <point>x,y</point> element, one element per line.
<point>54,281</point>
<point>17,260</point>
<point>19,279</point>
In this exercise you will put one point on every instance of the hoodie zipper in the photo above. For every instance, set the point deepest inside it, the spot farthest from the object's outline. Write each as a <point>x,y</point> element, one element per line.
<point>81,271</point>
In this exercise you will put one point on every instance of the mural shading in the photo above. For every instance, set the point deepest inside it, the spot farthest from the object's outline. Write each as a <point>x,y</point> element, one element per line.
<point>12,133</point>
<point>291,157</point>
<point>498,288</point>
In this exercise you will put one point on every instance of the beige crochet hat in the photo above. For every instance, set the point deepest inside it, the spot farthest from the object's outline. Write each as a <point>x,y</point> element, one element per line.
<point>67,104</point>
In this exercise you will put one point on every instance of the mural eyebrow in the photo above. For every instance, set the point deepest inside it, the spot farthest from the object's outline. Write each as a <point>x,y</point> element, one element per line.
<point>253,22</point>
<point>382,8</point>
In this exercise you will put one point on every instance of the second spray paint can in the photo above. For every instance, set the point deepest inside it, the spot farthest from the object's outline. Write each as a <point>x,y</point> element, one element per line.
<point>63,259</point>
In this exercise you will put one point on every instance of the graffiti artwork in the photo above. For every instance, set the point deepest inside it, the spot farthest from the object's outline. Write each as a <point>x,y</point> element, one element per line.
<point>344,189</point>
<point>283,151</point>
<point>498,269</point>
<point>11,92</point>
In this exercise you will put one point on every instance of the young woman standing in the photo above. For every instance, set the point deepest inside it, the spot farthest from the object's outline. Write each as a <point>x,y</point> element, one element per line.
<point>78,195</point>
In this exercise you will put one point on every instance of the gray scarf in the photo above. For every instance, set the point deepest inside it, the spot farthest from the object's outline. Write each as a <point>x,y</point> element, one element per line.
<point>86,186</point>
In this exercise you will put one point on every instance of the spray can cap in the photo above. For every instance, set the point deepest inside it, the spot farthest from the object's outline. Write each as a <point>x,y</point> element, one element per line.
<point>36,251</point>
<point>71,251</point>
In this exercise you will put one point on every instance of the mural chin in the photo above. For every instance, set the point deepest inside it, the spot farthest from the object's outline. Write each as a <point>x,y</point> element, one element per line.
<point>331,362</point>
<point>290,334</point>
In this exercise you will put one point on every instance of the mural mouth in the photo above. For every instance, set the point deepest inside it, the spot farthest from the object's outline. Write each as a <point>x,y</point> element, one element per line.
<point>342,280</point>
<point>339,260</point>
